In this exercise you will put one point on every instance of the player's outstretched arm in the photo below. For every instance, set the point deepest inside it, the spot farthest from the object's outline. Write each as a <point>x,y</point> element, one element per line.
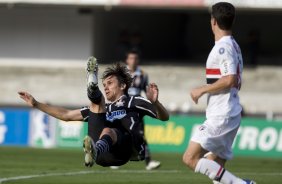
<point>152,94</point>
<point>57,112</point>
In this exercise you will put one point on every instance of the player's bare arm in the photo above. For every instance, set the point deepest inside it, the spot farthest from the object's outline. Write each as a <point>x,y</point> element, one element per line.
<point>224,83</point>
<point>57,112</point>
<point>152,94</point>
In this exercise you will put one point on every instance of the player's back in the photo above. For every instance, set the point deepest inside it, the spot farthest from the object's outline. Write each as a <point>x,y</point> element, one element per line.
<point>224,59</point>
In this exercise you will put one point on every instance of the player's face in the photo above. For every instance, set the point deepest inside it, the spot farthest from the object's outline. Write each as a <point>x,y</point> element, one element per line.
<point>113,89</point>
<point>132,61</point>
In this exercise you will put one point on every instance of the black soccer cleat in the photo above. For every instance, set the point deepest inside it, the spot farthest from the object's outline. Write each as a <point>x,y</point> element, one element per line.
<point>90,151</point>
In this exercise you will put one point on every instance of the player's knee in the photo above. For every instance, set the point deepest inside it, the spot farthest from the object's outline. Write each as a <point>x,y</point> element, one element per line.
<point>105,131</point>
<point>189,160</point>
<point>111,133</point>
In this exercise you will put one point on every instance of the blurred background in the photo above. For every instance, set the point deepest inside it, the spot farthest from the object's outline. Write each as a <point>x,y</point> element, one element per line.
<point>44,45</point>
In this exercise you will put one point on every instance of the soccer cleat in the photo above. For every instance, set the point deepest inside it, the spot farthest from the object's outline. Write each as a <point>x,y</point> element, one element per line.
<point>153,165</point>
<point>90,151</point>
<point>92,72</point>
<point>249,181</point>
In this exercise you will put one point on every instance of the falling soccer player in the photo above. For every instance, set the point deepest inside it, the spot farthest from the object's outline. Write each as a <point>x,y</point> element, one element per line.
<point>113,136</point>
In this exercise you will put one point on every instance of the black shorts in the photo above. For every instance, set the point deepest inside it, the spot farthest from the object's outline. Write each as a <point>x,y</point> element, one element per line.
<point>120,152</point>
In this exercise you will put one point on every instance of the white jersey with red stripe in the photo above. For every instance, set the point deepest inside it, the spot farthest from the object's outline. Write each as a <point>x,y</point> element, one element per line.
<point>224,59</point>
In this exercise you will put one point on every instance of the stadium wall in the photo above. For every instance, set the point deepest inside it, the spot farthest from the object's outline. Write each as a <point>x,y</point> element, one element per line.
<point>73,33</point>
<point>45,33</point>
<point>63,84</point>
<point>26,127</point>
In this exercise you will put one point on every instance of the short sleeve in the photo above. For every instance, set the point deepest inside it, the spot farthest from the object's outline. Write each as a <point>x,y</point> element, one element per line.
<point>227,59</point>
<point>143,106</point>
<point>85,113</point>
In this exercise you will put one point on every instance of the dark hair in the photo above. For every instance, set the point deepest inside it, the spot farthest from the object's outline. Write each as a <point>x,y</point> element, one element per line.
<point>224,14</point>
<point>122,74</point>
<point>133,51</point>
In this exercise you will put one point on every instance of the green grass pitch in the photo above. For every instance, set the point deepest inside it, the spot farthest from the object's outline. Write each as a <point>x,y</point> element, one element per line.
<point>65,166</point>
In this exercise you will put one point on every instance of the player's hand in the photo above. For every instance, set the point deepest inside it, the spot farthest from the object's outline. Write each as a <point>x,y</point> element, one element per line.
<point>152,92</point>
<point>196,94</point>
<point>28,98</point>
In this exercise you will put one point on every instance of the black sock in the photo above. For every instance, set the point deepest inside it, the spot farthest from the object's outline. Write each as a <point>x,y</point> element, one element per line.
<point>147,154</point>
<point>94,94</point>
<point>104,144</point>
<point>147,160</point>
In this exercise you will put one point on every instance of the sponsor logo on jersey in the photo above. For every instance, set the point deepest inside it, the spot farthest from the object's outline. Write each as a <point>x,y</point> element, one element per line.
<point>119,114</point>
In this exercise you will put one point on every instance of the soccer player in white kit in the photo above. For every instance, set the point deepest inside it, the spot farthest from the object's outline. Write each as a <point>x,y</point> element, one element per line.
<point>211,144</point>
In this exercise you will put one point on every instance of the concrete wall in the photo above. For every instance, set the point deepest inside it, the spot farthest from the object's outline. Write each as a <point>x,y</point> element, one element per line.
<point>45,33</point>
<point>167,35</point>
<point>64,83</point>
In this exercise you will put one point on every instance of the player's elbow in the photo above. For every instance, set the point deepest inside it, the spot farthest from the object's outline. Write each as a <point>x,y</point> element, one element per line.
<point>163,117</point>
<point>230,81</point>
<point>65,117</point>
<point>166,118</point>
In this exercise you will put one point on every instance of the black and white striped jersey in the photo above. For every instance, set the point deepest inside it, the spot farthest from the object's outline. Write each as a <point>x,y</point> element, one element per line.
<point>139,83</point>
<point>127,111</point>
<point>126,114</point>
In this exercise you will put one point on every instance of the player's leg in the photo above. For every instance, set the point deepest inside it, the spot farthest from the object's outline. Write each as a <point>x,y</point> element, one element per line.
<point>150,164</point>
<point>94,151</point>
<point>114,148</point>
<point>193,154</point>
<point>217,159</point>
<point>96,121</point>
<point>94,94</point>
<point>193,158</point>
<point>104,145</point>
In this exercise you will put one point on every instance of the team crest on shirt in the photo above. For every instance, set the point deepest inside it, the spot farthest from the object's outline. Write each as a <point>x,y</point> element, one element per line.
<point>221,50</point>
<point>202,127</point>
<point>119,103</point>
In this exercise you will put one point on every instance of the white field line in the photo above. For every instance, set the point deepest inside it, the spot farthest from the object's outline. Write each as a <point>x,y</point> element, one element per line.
<point>2,180</point>
<point>86,172</point>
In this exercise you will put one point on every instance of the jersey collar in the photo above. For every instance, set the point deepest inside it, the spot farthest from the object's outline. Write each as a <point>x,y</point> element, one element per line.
<point>224,38</point>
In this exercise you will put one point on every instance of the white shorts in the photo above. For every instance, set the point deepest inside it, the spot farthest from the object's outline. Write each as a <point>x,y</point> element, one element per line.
<point>217,135</point>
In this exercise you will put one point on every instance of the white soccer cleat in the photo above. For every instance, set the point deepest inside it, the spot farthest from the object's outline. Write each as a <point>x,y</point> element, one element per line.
<point>92,72</point>
<point>90,151</point>
<point>153,164</point>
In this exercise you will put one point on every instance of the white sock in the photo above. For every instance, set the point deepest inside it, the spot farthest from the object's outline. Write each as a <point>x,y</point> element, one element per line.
<point>215,172</point>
